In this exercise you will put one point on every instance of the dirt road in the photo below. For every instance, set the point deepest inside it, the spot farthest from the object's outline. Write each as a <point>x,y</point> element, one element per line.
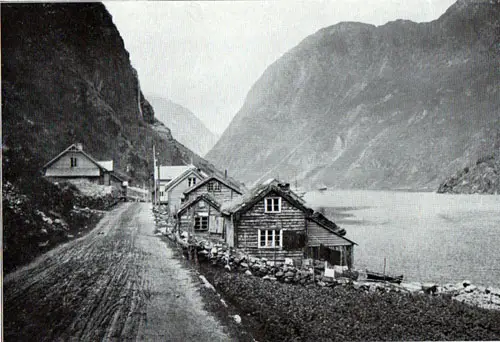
<point>119,282</point>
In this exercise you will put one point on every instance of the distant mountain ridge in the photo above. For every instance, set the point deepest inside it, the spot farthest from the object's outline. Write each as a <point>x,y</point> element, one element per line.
<point>402,105</point>
<point>185,126</point>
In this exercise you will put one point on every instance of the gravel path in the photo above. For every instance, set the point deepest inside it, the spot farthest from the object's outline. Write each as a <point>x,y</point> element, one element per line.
<point>119,282</point>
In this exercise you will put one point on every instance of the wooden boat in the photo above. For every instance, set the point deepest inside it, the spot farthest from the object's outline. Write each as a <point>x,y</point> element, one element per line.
<point>323,188</point>
<point>381,277</point>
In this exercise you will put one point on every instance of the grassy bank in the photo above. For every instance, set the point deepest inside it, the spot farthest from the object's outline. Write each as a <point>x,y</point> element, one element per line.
<point>273,311</point>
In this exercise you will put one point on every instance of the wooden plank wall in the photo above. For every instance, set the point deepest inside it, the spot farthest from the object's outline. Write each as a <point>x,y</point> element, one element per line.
<point>290,218</point>
<point>62,166</point>
<point>226,193</point>
<point>177,192</point>
<point>320,235</point>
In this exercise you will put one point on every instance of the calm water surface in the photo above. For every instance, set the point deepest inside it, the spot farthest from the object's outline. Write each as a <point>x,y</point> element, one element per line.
<point>425,236</point>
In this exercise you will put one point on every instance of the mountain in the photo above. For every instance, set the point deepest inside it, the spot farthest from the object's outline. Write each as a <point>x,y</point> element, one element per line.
<point>481,178</point>
<point>184,125</point>
<point>66,78</point>
<point>402,105</point>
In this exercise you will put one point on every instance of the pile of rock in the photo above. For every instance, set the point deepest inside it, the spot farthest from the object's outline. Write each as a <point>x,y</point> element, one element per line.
<point>484,297</point>
<point>222,256</point>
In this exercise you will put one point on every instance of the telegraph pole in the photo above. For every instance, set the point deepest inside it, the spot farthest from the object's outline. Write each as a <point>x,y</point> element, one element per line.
<point>154,174</point>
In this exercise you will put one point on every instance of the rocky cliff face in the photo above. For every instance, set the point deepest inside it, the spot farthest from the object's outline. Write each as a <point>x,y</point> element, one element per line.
<point>66,77</point>
<point>184,125</point>
<point>401,105</point>
<point>480,178</point>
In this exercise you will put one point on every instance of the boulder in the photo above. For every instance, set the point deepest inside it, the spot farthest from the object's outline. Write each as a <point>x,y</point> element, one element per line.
<point>279,274</point>
<point>289,274</point>
<point>429,288</point>
<point>470,288</point>
<point>247,272</point>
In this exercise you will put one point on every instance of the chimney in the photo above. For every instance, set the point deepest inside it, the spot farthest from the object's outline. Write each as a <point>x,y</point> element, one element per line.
<point>284,186</point>
<point>225,173</point>
<point>79,146</point>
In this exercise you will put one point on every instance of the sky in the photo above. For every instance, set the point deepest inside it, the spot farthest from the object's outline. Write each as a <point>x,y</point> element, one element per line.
<point>207,55</point>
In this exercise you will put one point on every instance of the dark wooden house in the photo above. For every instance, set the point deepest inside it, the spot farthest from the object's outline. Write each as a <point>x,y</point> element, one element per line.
<point>200,216</point>
<point>269,221</point>
<point>272,221</point>
<point>220,189</point>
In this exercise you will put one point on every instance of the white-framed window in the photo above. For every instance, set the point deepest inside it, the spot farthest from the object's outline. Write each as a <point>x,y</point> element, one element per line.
<point>201,223</point>
<point>213,186</point>
<point>74,162</point>
<point>272,204</point>
<point>270,238</point>
<point>191,181</point>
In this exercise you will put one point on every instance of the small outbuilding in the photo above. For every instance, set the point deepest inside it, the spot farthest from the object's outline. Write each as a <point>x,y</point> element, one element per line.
<point>200,216</point>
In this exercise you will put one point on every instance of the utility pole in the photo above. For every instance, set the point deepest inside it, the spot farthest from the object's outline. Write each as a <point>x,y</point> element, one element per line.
<point>154,174</point>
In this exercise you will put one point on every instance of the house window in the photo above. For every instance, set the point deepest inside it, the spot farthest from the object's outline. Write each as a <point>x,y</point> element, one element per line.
<point>73,162</point>
<point>270,238</point>
<point>213,186</point>
<point>191,181</point>
<point>272,204</point>
<point>201,223</point>
<point>201,204</point>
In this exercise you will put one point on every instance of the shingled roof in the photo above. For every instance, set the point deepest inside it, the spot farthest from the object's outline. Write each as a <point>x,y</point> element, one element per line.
<point>258,192</point>
<point>206,197</point>
<point>218,178</point>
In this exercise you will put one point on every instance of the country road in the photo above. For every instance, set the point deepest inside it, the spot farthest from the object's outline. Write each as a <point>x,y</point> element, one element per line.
<point>118,283</point>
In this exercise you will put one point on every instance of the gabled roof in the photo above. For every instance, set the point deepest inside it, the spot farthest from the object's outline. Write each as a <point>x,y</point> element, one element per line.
<point>107,164</point>
<point>245,202</point>
<point>210,178</point>
<point>172,171</point>
<point>206,197</point>
<point>74,148</point>
<point>334,233</point>
<point>181,177</point>
<point>324,222</point>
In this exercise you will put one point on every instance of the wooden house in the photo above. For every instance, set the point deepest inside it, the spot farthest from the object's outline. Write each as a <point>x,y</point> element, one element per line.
<point>200,216</point>
<point>173,192</point>
<point>272,221</point>
<point>164,175</point>
<point>74,164</point>
<point>269,221</point>
<point>221,189</point>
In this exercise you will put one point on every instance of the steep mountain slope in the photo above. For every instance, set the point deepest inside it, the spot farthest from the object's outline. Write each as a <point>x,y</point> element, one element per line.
<point>401,105</point>
<point>481,178</point>
<point>184,125</point>
<point>66,77</point>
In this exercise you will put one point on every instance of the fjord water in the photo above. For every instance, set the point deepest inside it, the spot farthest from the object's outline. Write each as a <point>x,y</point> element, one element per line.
<point>428,237</point>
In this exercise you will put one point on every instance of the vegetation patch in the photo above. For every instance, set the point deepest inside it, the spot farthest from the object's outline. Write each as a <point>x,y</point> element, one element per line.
<point>274,311</point>
<point>39,215</point>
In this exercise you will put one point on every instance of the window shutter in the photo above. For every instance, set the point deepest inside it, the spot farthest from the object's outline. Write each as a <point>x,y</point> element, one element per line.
<point>293,240</point>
